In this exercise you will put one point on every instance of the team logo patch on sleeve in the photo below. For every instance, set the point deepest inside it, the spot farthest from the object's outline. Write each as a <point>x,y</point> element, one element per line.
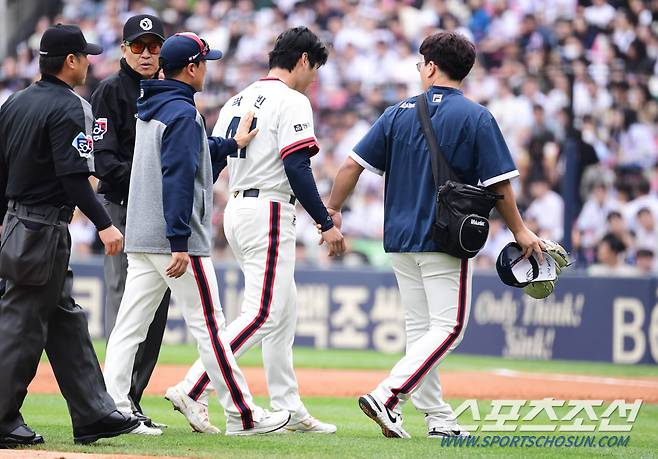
<point>84,144</point>
<point>100,128</point>
<point>300,127</point>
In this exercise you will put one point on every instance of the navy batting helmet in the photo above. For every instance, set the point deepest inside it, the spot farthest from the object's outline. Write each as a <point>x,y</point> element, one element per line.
<point>516,271</point>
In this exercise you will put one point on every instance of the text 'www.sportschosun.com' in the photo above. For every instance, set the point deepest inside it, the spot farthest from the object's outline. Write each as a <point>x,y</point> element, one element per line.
<point>537,441</point>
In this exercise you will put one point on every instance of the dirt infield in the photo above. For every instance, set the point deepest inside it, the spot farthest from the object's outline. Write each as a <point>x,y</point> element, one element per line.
<point>501,384</point>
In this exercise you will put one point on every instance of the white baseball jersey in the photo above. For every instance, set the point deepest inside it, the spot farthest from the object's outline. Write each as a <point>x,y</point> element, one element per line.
<point>288,127</point>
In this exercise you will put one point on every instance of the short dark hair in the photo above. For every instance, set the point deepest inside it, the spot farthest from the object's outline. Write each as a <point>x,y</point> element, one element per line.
<point>614,214</point>
<point>173,73</point>
<point>641,253</point>
<point>52,65</point>
<point>291,44</point>
<point>615,243</point>
<point>453,53</point>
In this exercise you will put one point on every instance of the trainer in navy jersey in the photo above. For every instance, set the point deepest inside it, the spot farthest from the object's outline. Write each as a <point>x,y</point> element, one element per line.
<point>435,287</point>
<point>469,137</point>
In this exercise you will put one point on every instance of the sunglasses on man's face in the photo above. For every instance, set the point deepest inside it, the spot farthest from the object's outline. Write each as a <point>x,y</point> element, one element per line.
<point>138,47</point>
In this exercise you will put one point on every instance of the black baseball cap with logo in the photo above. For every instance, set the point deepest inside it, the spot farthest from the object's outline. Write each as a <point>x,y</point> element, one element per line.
<point>142,24</point>
<point>61,39</point>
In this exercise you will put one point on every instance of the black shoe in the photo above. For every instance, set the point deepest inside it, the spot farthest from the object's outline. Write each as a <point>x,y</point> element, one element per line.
<point>115,423</point>
<point>148,422</point>
<point>20,436</point>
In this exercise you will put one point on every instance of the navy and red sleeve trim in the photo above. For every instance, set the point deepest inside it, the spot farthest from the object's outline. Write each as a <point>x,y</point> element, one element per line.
<point>300,177</point>
<point>309,143</point>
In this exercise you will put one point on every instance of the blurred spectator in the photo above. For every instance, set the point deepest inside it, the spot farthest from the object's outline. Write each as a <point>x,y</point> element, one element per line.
<point>610,262</point>
<point>529,52</point>
<point>616,225</point>
<point>547,209</point>
<point>646,233</point>
<point>644,198</point>
<point>592,221</point>
<point>83,234</point>
<point>499,236</point>
<point>645,261</point>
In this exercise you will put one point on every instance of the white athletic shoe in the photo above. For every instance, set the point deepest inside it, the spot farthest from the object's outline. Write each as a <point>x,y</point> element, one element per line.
<point>269,422</point>
<point>196,413</point>
<point>389,421</point>
<point>454,430</point>
<point>311,425</point>
<point>143,429</point>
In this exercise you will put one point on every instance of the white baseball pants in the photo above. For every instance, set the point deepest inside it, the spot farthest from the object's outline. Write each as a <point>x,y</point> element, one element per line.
<point>435,290</point>
<point>261,233</point>
<point>196,292</point>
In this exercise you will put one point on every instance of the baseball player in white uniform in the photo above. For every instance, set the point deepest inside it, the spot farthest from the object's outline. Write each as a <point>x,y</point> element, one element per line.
<point>168,234</point>
<point>266,178</point>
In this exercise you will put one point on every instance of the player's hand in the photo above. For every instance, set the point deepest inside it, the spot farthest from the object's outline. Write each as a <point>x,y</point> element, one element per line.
<point>178,264</point>
<point>112,239</point>
<point>529,243</point>
<point>336,216</point>
<point>243,136</point>
<point>335,240</point>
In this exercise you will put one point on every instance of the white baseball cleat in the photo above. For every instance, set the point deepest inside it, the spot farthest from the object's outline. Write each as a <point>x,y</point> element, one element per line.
<point>196,413</point>
<point>143,429</point>
<point>269,422</point>
<point>311,425</point>
<point>389,420</point>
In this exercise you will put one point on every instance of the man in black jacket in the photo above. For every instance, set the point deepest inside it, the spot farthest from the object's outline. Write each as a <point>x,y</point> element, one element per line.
<point>114,103</point>
<point>46,157</point>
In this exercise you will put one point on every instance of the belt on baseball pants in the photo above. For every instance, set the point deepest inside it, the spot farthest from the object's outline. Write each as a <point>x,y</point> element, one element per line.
<point>42,212</point>
<point>254,192</point>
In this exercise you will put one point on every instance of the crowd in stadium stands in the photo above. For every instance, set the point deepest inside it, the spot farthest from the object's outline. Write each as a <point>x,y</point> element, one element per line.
<point>594,161</point>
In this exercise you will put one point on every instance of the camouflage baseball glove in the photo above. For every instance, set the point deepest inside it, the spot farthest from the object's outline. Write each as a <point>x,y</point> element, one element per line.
<point>542,289</point>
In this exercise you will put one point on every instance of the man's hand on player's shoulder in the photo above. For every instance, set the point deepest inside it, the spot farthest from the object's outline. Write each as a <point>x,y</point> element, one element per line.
<point>244,135</point>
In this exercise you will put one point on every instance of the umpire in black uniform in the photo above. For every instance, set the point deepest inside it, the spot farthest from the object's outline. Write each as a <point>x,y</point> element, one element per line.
<point>114,103</point>
<point>46,156</point>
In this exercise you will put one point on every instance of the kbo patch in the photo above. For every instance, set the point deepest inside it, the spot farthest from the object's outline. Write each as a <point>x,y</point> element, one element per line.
<point>300,127</point>
<point>100,128</point>
<point>84,144</point>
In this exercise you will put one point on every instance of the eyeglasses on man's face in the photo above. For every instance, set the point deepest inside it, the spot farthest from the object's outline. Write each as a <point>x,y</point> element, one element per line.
<point>138,47</point>
<point>421,64</point>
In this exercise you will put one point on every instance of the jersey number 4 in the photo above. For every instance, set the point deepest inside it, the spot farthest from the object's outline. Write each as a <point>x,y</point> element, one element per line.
<point>230,132</point>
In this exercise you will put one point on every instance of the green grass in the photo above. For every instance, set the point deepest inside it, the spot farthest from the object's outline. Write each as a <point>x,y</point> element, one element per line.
<point>358,437</point>
<point>182,354</point>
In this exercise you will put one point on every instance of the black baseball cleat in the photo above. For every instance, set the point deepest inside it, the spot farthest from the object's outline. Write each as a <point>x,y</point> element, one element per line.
<point>115,423</point>
<point>147,421</point>
<point>20,436</point>
<point>389,421</point>
<point>455,431</point>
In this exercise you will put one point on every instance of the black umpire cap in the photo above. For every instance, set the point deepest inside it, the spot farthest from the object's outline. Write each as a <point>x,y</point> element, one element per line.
<point>60,40</point>
<point>142,24</point>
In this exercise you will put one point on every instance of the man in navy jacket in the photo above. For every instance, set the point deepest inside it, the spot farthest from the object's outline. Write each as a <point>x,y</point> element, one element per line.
<point>168,233</point>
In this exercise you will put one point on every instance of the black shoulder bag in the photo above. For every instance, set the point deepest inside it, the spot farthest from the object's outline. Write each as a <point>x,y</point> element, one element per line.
<point>461,224</point>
